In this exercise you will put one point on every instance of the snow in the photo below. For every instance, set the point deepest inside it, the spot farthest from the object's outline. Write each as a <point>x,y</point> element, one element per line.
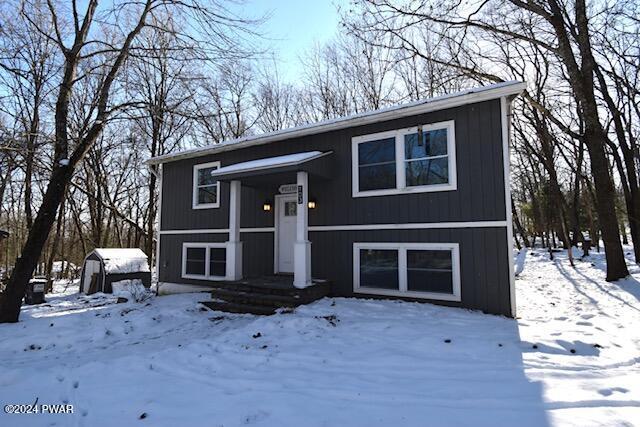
<point>337,362</point>
<point>59,266</point>
<point>131,289</point>
<point>123,260</point>
<point>64,162</point>
<point>520,260</point>
<point>269,162</point>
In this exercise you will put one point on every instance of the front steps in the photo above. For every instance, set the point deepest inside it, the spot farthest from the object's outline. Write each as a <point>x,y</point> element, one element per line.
<point>263,296</point>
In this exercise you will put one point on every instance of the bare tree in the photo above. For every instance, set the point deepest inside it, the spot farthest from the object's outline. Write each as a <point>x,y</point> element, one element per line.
<point>88,56</point>
<point>561,30</point>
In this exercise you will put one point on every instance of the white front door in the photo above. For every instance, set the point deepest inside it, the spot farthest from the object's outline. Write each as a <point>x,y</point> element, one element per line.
<point>286,230</point>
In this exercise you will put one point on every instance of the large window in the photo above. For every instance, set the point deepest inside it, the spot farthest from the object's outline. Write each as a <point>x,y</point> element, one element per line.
<point>421,270</point>
<point>207,261</point>
<point>418,159</point>
<point>206,189</point>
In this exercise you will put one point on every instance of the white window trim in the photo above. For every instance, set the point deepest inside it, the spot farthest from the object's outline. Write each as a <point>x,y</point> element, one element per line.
<point>195,204</point>
<point>207,246</point>
<point>401,187</point>
<point>403,272</point>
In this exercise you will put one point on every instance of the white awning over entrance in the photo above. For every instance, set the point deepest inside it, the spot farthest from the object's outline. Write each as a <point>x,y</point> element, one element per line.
<point>268,163</point>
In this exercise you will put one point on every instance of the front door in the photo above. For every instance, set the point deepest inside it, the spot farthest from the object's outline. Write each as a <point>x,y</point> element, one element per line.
<point>286,230</point>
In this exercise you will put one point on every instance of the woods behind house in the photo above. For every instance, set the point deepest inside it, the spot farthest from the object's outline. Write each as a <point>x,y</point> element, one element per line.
<point>89,91</point>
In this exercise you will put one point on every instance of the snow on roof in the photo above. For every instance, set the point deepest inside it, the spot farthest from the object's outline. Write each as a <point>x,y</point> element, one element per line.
<point>269,163</point>
<point>123,260</point>
<point>478,94</point>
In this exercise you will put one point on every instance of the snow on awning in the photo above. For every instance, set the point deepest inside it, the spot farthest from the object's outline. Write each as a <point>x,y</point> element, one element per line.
<point>123,260</point>
<point>268,164</point>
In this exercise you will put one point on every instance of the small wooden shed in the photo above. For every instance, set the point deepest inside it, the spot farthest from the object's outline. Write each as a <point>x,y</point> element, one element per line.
<point>104,266</point>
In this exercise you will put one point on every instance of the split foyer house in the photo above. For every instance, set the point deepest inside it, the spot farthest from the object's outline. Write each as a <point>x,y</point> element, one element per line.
<point>410,201</point>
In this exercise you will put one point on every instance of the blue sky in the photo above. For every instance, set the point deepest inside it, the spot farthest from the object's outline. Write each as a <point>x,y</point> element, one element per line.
<point>295,26</point>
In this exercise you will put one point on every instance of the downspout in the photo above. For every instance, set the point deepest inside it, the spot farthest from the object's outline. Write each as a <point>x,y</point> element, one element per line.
<point>158,176</point>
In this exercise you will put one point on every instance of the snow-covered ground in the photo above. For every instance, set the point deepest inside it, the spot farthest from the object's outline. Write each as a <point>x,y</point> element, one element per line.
<point>572,358</point>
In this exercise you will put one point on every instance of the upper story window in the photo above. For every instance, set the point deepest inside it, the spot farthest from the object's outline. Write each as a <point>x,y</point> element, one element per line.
<point>206,189</point>
<point>418,159</point>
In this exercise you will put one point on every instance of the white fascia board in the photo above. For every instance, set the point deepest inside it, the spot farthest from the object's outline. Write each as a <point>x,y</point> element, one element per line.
<point>470,96</point>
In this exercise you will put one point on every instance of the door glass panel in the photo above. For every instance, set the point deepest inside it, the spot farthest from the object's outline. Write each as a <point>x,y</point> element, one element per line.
<point>379,268</point>
<point>290,208</point>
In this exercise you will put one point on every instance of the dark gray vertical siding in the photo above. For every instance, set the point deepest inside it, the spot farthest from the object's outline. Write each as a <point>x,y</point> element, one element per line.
<point>257,254</point>
<point>484,272</point>
<point>479,197</point>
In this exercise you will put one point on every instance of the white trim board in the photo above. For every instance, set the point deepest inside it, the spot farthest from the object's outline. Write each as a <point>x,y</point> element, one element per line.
<point>402,249</point>
<point>347,227</point>
<point>218,230</point>
<point>409,226</point>
<point>470,96</point>
<point>505,117</point>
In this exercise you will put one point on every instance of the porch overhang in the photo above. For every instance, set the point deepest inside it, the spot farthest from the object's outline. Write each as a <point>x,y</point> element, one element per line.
<point>315,163</point>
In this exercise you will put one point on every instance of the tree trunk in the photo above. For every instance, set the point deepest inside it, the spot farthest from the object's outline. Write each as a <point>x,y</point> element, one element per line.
<point>519,228</point>
<point>25,265</point>
<point>605,203</point>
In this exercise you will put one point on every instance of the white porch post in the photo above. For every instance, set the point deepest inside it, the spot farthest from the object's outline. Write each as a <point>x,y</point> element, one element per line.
<point>234,245</point>
<point>302,246</point>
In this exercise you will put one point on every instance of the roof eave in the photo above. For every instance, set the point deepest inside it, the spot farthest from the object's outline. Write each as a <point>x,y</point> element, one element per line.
<point>508,89</point>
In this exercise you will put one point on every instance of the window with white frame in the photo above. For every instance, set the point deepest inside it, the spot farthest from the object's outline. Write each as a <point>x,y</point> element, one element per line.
<point>206,261</point>
<point>206,189</point>
<point>418,159</point>
<point>420,270</point>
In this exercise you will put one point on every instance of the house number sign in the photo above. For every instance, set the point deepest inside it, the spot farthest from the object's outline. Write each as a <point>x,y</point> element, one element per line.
<point>299,194</point>
<point>287,188</point>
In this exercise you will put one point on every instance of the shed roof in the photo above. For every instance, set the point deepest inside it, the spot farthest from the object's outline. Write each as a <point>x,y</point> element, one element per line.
<point>469,96</point>
<point>123,260</point>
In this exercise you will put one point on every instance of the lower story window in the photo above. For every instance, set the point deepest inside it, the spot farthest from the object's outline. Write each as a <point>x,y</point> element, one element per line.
<point>379,268</point>
<point>421,270</point>
<point>207,261</point>
<point>195,262</point>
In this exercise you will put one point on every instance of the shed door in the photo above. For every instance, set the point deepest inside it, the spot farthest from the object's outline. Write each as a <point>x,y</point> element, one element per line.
<point>91,267</point>
<point>287,209</point>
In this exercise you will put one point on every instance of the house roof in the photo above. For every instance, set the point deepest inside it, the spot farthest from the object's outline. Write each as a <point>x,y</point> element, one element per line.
<point>484,93</point>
